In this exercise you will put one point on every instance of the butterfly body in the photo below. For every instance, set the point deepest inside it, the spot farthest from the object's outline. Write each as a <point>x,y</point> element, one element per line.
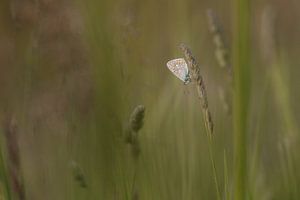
<point>179,68</point>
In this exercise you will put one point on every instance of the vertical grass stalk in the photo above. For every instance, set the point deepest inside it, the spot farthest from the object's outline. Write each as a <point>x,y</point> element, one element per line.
<point>201,90</point>
<point>282,98</point>
<point>134,126</point>
<point>226,179</point>
<point>4,176</point>
<point>221,49</point>
<point>241,62</point>
<point>13,158</point>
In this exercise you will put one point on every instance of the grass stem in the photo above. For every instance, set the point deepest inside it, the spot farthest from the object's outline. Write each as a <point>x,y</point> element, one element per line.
<point>241,64</point>
<point>201,91</point>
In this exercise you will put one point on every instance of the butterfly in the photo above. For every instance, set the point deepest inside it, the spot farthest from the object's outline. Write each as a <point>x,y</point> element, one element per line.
<point>179,68</point>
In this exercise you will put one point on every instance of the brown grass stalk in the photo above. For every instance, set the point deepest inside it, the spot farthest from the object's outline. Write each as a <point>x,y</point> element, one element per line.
<point>135,124</point>
<point>222,57</point>
<point>13,157</point>
<point>196,77</point>
<point>221,50</point>
<point>201,90</point>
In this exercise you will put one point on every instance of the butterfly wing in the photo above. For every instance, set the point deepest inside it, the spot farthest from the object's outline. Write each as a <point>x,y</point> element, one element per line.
<point>179,68</point>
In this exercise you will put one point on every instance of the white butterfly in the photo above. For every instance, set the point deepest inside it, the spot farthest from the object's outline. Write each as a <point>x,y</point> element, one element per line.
<point>179,68</point>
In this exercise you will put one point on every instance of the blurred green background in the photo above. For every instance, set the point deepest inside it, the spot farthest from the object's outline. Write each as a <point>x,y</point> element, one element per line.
<point>73,71</point>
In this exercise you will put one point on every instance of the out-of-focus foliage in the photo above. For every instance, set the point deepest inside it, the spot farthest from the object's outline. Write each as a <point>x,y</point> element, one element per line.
<point>73,71</point>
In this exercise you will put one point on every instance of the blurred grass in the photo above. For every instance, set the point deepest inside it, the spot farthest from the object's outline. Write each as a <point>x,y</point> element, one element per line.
<point>241,71</point>
<point>72,75</point>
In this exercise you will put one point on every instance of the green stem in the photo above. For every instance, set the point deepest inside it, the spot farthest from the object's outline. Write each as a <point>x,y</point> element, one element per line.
<point>214,168</point>
<point>226,182</point>
<point>241,93</point>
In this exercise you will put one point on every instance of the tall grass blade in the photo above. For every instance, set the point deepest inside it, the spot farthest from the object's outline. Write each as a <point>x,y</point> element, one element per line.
<point>241,62</point>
